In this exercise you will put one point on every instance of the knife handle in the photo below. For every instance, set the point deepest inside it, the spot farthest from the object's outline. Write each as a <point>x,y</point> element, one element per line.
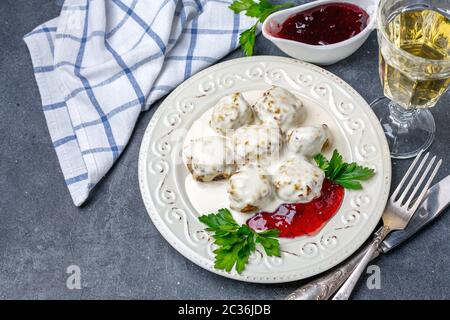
<point>325,286</point>
<point>347,288</point>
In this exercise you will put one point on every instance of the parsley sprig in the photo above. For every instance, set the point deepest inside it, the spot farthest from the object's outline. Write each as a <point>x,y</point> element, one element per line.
<point>236,243</point>
<point>260,10</point>
<point>347,175</point>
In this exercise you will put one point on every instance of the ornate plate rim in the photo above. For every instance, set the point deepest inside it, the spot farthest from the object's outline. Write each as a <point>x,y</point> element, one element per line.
<point>201,261</point>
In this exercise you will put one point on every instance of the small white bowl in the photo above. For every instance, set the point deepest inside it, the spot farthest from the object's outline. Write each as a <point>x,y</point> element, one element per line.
<point>326,54</point>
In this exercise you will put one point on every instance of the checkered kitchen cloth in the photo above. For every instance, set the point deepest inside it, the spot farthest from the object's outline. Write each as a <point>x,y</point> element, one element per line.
<point>102,62</point>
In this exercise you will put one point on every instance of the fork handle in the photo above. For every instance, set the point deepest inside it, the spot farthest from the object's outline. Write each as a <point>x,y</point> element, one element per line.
<point>324,287</point>
<point>347,288</point>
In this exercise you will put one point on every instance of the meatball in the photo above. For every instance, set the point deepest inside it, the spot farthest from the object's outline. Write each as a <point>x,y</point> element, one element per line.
<point>298,181</point>
<point>249,189</point>
<point>308,141</point>
<point>231,112</point>
<point>209,159</point>
<point>256,143</point>
<point>279,107</point>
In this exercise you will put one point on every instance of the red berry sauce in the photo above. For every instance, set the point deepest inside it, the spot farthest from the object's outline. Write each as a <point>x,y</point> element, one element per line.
<point>299,219</point>
<point>325,24</point>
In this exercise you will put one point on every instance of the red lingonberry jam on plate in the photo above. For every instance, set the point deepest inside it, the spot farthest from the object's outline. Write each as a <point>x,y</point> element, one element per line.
<point>325,24</point>
<point>298,219</point>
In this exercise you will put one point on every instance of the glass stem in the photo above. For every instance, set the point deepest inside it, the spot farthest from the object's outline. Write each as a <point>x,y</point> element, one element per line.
<point>401,116</point>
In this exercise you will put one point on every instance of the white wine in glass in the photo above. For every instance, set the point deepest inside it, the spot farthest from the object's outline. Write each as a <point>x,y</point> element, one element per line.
<point>414,39</point>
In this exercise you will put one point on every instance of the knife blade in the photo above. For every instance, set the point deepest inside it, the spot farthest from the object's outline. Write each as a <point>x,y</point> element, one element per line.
<point>437,200</point>
<point>322,288</point>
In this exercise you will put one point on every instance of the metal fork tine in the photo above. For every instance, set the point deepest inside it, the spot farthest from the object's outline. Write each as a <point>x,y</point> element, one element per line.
<point>400,185</point>
<point>425,189</point>
<point>419,184</point>
<point>411,181</point>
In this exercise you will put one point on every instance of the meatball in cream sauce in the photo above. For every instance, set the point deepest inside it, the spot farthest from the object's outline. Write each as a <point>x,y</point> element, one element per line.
<point>308,141</point>
<point>279,107</point>
<point>230,113</point>
<point>209,159</point>
<point>298,181</point>
<point>249,189</point>
<point>256,144</point>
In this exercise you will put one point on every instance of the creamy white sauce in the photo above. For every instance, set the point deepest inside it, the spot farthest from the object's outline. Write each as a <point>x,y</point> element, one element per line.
<point>210,197</point>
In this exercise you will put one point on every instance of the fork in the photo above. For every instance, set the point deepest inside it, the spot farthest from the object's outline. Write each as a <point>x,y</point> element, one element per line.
<point>396,215</point>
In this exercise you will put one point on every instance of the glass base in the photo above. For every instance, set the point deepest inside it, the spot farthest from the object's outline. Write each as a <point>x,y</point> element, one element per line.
<point>407,130</point>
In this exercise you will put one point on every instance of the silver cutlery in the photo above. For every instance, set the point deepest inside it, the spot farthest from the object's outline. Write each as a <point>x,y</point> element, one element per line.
<point>396,215</point>
<point>437,199</point>
<point>322,288</point>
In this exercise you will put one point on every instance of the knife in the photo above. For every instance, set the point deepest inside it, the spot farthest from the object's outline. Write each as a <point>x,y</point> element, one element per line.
<point>322,288</point>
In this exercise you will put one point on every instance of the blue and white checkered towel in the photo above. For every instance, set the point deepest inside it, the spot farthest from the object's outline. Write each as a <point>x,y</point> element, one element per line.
<point>102,62</point>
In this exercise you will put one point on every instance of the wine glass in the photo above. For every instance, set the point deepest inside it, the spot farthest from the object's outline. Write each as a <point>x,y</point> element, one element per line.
<point>414,40</point>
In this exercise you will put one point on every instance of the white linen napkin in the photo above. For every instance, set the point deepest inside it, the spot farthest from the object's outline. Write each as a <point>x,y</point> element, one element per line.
<point>102,62</point>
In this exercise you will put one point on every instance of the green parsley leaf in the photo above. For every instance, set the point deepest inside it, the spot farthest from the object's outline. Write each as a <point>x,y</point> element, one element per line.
<point>241,5</point>
<point>271,246</point>
<point>347,175</point>
<point>260,10</point>
<point>236,243</point>
<point>247,40</point>
<point>270,233</point>
<point>266,9</point>
<point>223,221</point>
<point>322,162</point>
<point>351,173</point>
<point>336,165</point>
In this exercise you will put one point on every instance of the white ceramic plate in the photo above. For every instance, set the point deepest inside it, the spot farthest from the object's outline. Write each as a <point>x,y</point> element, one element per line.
<point>357,135</point>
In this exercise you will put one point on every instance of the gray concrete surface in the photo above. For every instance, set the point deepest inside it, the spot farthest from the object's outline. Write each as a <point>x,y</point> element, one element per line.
<point>119,251</point>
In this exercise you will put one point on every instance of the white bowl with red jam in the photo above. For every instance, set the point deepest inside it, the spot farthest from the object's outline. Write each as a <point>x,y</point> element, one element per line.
<point>322,32</point>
